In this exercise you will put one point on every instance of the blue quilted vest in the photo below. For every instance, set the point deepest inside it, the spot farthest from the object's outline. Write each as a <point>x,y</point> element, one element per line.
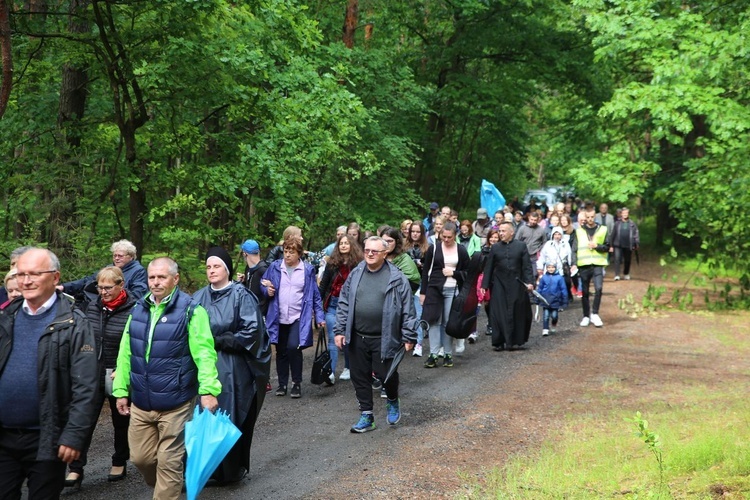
<point>170,377</point>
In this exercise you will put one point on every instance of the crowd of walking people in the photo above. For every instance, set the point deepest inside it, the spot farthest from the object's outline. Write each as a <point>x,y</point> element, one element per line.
<point>133,338</point>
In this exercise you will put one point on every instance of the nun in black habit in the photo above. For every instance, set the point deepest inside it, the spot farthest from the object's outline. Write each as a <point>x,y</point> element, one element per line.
<point>243,356</point>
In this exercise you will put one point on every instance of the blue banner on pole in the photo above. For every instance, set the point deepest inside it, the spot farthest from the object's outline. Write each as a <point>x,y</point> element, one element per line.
<point>491,198</point>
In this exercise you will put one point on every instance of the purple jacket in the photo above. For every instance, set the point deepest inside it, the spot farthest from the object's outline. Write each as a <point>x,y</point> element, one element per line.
<point>311,301</point>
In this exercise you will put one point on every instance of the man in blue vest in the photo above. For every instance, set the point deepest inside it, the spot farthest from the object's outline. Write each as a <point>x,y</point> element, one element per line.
<point>167,358</point>
<point>590,257</point>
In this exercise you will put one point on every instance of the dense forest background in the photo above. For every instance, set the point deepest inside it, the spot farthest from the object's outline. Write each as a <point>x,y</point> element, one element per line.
<point>179,124</point>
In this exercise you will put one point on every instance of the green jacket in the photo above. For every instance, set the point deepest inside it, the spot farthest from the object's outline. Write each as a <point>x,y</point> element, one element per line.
<point>201,343</point>
<point>409,268</point>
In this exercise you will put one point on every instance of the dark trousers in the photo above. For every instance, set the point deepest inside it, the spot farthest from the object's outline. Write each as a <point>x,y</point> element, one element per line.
<point>364,359</point>
<point>122,450</point>
<point>589,274</point>
<point>289,355</point>
<point>18,449</point>
<point>622,256</point>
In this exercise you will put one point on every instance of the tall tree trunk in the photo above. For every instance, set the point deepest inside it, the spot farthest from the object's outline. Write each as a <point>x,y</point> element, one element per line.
<point>350,23</point>
<point>6,80</point>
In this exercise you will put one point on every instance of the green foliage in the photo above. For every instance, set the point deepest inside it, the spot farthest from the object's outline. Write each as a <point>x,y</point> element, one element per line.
<point>675,129</point>
<point>654,445</point>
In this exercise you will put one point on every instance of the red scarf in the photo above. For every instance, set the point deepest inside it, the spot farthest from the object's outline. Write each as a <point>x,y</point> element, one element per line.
<point>117,301</point>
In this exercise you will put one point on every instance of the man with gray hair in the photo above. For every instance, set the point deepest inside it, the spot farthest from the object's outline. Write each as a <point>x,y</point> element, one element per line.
<point>124,256</point>
<point>166,360</point>
<point>375,316</point>
<point>49,379</point>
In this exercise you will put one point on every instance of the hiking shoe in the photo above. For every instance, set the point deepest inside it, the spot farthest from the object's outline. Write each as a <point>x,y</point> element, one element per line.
<point>345,375</point>
<point>281,391</point>
<point>431,361</point>
<point>382,393</point>
<point>448,361</point>
<point>393,410</point>
<point>545,332</point>
<point>441,352</point>
<point>376,383</point>
<point>460,346</point>
<point>585,321</point>
<point>296,391</point>
<point>472,338</point>
<point>417,351</point>
<point>366,423</point>
<point>617,278</point>
<point>597,321</point>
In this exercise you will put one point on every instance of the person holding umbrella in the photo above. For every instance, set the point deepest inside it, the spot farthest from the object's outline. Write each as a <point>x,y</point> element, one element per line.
<point>244,356</point>
<point>166,362</point>
<point>375,318</point>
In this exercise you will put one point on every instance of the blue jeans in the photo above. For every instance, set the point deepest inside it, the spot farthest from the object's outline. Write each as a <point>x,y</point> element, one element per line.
<point>547,314</point>
<point>333,303</point>
<point>438,337</point>
<point>418,307</point>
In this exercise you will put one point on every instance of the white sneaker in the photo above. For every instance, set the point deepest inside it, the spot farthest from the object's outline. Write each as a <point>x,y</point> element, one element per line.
<point>552,330</point>
<point>332,378</point>
<point>627,276</point>
<point>597,321</point>
<point>545,332</point>
<point>585,321</point>
<point>345,375</point>
<point>460,346</point>
<point>617,278</point>
<point>472,338</point>
<point>417,350</point>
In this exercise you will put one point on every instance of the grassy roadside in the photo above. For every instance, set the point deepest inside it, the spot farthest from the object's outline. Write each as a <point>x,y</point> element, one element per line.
<point>697,426</point>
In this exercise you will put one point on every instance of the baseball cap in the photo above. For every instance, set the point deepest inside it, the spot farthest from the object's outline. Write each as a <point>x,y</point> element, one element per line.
<point>250,246</point>
<point>482,213</point>
<point>434,205</point>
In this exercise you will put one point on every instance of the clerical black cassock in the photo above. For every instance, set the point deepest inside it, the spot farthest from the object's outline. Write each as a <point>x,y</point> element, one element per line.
<point>510,307</point>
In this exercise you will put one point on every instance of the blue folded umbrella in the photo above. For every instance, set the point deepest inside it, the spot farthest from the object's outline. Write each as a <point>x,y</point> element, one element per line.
<point>208,439</point>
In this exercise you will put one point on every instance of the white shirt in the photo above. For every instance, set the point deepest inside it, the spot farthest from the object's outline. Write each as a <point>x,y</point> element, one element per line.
<point>44,307</point>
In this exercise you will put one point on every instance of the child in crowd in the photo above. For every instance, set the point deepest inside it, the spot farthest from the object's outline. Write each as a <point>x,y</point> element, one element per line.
<point>552,288</point>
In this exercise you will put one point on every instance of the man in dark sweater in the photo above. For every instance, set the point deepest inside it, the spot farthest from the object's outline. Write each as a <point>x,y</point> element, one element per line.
<point>46,410</point>
<point>375,316</point>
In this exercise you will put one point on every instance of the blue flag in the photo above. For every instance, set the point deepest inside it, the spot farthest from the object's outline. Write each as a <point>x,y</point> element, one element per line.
<point>490,198</point>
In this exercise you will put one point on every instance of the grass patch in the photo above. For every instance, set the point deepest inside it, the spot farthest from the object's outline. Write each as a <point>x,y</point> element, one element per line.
<point>600,456</point>
<point>691,439</point>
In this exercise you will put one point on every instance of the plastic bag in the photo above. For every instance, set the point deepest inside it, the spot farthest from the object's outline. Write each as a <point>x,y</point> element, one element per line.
<point>208,439</point>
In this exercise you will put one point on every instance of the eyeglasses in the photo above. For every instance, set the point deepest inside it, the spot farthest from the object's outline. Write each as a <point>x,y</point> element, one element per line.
<point>33,276</point>
<point>116,256</point>
<point>372,252</point>
<point>106,288</point>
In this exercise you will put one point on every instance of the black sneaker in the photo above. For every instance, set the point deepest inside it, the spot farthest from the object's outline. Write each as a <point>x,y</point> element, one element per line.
<point>448,361</point>
<point>296,391</point>
<point>281,391</point>
<point>376,384</point>
<point>489,331</point>
<point>431,361</point>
